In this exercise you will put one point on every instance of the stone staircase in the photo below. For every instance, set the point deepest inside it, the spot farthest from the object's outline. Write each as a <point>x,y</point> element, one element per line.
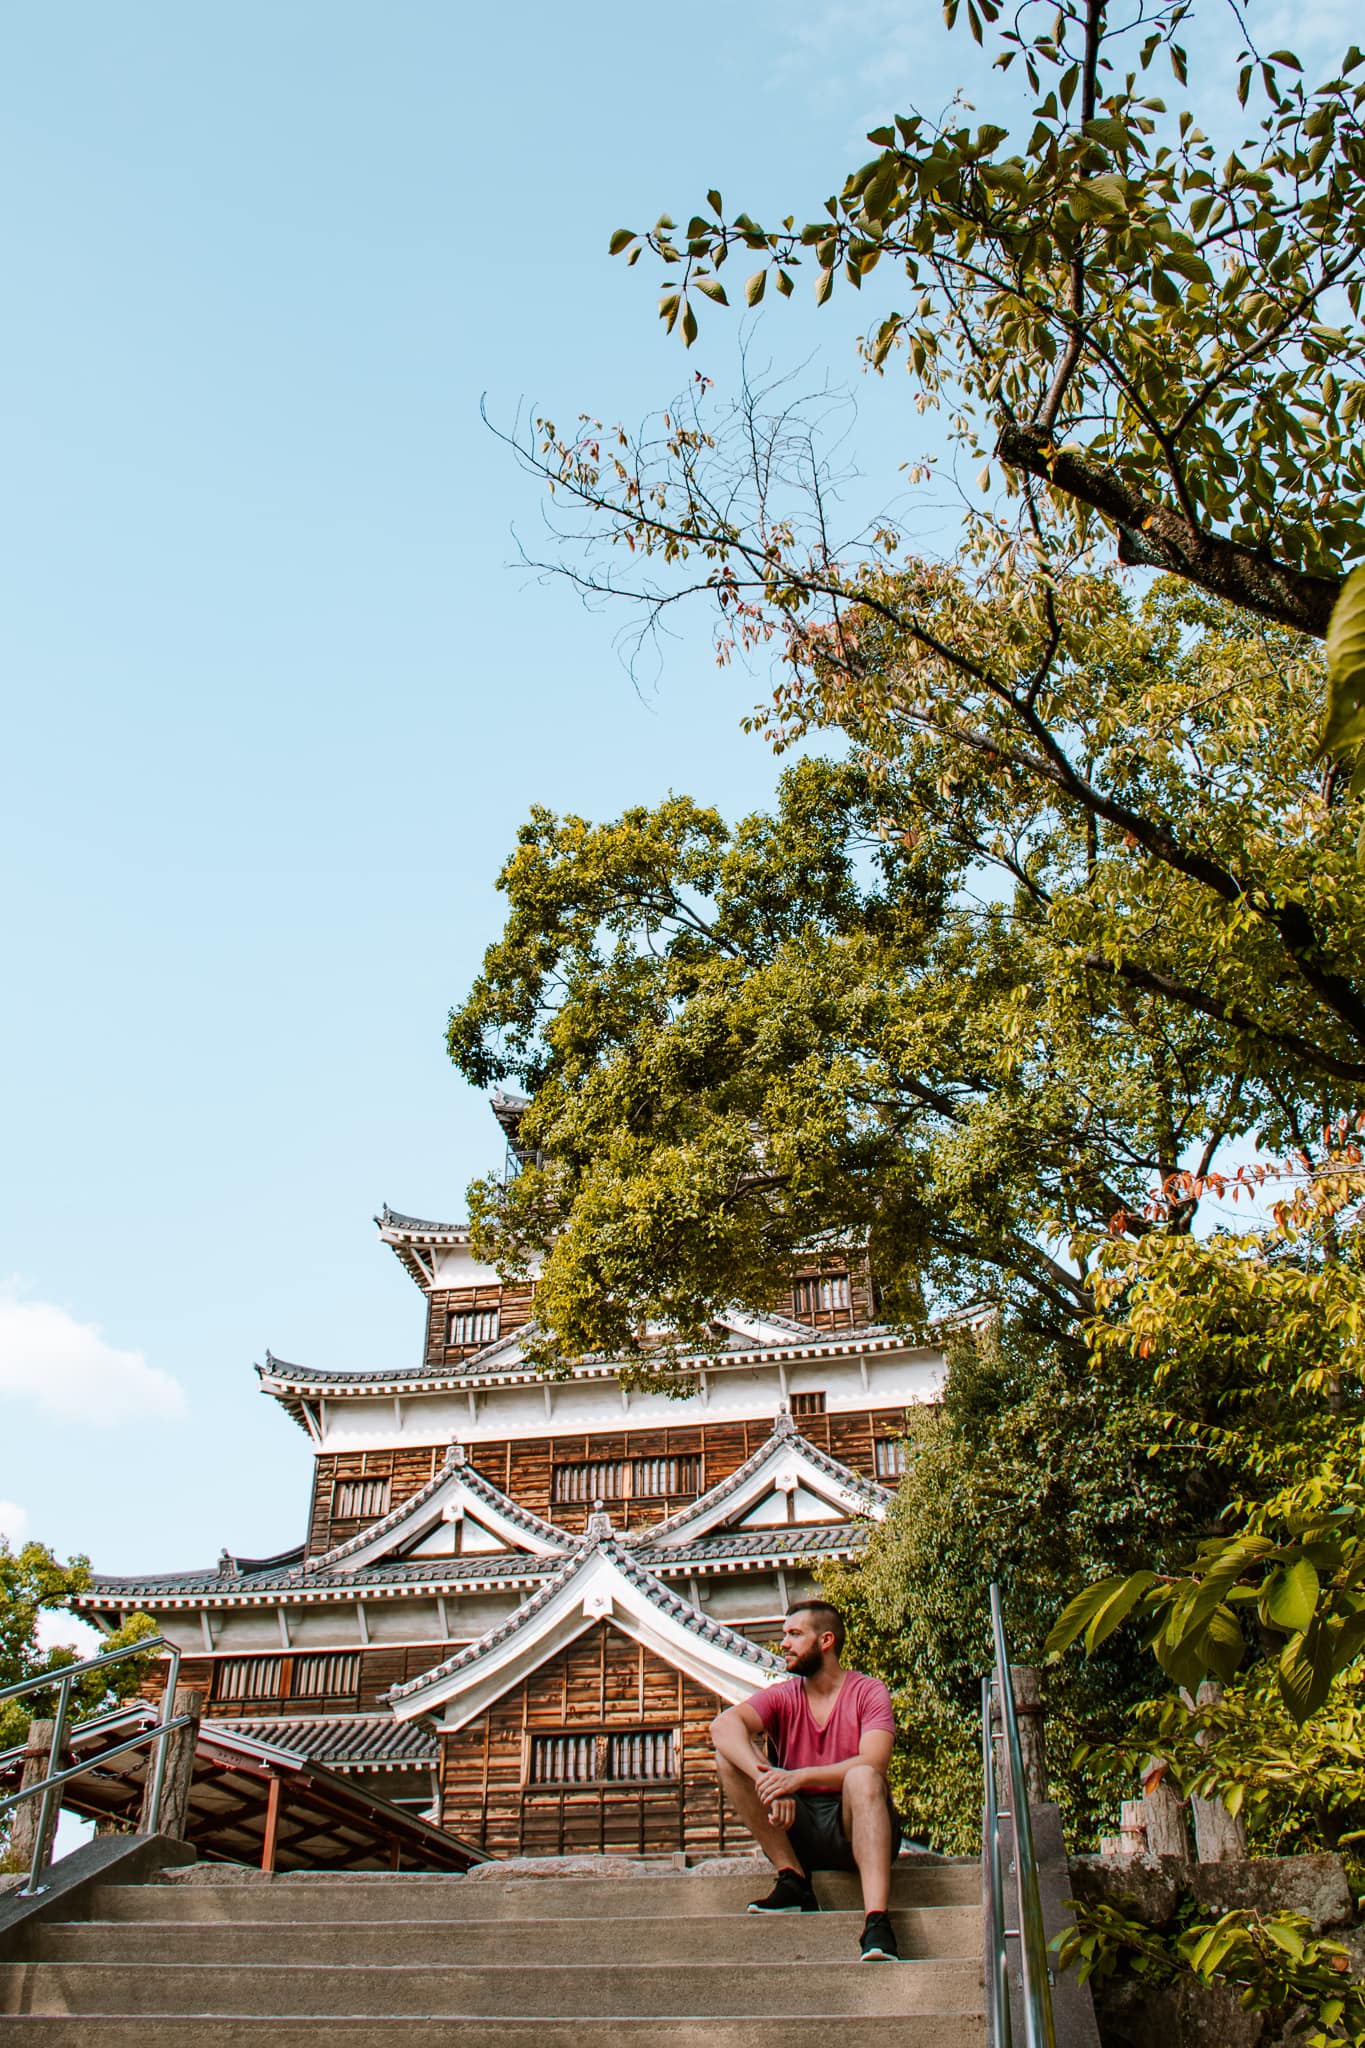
<point>653,1956</point>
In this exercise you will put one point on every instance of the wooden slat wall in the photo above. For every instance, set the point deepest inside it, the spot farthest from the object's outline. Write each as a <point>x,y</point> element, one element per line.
<point>862,1296</point>
<point>512,1303</point>
<point>522,1466</point>
<point>379,1669</point>
<point>602,1681</point>
<point>407,1471</point>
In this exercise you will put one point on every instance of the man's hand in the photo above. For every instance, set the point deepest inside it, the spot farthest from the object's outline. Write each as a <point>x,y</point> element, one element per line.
<point>782,1813</point>
<point>774,1784</point>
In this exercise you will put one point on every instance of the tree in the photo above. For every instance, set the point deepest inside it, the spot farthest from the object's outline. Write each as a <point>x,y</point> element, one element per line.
<point>1271,1604</point>
<point>34,1582</point>
<point>947,1000</point>
<point>1033,1471</point>
<point>1135,333</point>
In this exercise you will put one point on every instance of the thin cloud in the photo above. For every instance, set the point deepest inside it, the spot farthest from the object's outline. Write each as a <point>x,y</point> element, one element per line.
<point>13,1524</point>
<point>70,1371</point>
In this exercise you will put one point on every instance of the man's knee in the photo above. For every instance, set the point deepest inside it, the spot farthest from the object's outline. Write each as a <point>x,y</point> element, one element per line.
<point>864,1784</point>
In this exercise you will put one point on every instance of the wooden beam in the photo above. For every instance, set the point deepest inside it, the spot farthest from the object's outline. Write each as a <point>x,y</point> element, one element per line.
<point>272,1826</point>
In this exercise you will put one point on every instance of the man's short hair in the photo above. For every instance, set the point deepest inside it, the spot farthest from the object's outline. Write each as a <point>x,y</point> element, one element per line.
<point>826,1619</point>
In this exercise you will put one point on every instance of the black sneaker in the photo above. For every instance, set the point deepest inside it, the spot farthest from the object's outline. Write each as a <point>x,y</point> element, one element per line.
<point>878,1944</point>
<point>791,1894</point>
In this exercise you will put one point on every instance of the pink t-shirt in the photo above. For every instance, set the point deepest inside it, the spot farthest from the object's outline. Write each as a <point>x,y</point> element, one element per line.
<point>862,1703</point>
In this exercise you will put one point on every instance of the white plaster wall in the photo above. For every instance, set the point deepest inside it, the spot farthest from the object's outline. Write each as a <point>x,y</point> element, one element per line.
<point>456,1266</point>
<point>894,1380</point>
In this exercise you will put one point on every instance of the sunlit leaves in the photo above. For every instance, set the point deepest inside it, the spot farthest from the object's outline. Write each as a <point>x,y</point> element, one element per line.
<point>1215,372</point>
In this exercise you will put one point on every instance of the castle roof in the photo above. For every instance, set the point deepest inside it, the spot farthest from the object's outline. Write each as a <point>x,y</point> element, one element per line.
<point>376,1562</point>
<point>603,1581</point>
<point>504,1364</point>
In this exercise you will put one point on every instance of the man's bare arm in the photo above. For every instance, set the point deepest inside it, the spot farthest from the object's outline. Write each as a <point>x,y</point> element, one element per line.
<point>733,1733</point>
<point>874,1748</point>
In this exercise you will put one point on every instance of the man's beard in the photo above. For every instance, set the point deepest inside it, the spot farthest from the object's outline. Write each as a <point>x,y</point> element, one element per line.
<point>806,1666</point>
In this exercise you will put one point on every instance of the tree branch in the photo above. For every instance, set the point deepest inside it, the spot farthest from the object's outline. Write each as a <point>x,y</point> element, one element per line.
<point>1154,536</point>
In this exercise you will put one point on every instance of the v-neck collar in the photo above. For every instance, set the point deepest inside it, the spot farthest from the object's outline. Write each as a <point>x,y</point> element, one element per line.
<point>821,1726</point>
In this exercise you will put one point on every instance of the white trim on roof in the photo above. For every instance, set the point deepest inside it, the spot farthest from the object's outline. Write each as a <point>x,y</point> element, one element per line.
<point>602,1583</point>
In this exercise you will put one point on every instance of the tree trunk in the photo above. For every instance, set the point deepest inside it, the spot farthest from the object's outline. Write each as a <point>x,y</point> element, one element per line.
<point>1163,1810</point>
<point>23,1840</point>
<point>1221,1836</point>
<point>179,1773</point>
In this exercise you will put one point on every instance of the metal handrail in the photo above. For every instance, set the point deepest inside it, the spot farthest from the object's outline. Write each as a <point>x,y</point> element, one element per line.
<point>155,1737</point>
<point>1028,1931</point>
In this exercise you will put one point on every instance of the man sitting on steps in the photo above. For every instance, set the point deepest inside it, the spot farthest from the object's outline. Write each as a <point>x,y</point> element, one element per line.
<point>825,1804</point>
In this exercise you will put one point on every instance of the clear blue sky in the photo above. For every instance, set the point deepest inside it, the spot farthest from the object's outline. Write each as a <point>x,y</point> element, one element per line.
<point>276,698</point>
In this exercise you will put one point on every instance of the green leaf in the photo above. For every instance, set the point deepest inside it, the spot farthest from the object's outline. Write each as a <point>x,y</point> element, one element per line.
<point>1291,1597</point>
<point>622,239</point>
<point>1082,1609</point>
<point>1116,1609</point>
<point>754,289</point>
<point>824,285</point>
<point>689,325</point>
<point>1305,1672</point>
<point>1343,723</point>
<point>713,200</point>
<point>713,289</point>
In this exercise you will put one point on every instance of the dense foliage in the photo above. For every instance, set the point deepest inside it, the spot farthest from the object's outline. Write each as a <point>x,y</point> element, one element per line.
<point>943,999</point>
<point>1033,1472</point>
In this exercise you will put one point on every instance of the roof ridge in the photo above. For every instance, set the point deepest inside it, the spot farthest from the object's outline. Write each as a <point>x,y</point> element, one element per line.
<point>784,1430</point>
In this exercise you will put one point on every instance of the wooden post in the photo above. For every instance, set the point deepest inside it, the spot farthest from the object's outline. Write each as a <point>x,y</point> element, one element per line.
<point>37,1762</point>
<point>1132,1827</point>
<point>1028,1706</point>
<point>272,1826</point>
<point>1221,1836</point>
<point>1163,1810</point>
<point>178,1777</point>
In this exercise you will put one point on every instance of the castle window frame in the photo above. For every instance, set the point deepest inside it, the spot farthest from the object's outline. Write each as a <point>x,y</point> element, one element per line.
<point>673,1475</point>
<point>472,1328</point>
<point>890,1457</point>
<point>821,1294</point>
<point>360,1500</point>
<point>565,1761</point>
<point>812,1402</point>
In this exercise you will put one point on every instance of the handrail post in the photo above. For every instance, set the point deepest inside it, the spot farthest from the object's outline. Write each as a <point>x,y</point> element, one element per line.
<point>997,1973</point>
<point>1033,1938</point>
<point>153,1804</point>
<point>51,1804</point>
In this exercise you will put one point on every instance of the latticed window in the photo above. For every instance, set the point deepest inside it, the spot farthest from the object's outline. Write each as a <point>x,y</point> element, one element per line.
<point>248,1678</point>
<point>646,1755</point>
<point>318,1676</point>
<point>473,1326</point>
<point>362,1500</point>
<point>890,1456</point>
<point>626,1479</point>
<point>658,1478</point>
<point>808,1404</point>
<point>821,1293</point>
<point>329,1677</point>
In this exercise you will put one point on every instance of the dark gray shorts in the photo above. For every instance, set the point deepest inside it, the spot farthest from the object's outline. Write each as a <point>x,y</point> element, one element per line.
<point>817,1833</point>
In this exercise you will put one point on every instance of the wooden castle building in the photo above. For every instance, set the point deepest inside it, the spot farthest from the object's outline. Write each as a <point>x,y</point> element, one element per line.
<point>520,1601</point>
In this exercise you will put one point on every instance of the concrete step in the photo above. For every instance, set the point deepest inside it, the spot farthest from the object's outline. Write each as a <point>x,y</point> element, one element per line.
<point>296,1899</point>
<point>879,2030</point>
<point>587,1992</point>
<point>922,1931</point>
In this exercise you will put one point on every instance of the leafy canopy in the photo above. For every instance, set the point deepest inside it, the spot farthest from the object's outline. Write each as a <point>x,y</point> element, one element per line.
<point>1156,330</point>
<point>967,996</point>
